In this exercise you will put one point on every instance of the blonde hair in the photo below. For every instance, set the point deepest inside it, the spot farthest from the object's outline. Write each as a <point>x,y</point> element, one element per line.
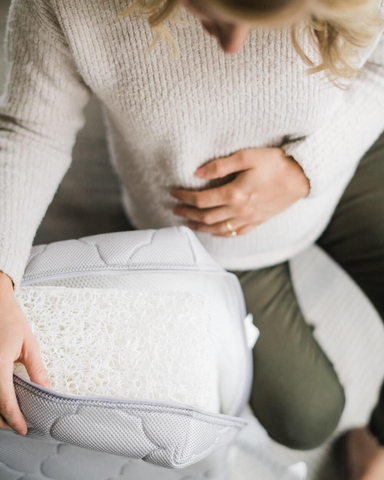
<point>338,28</point>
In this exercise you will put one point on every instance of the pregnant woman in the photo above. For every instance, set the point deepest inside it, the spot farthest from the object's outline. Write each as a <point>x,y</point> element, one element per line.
<point>257,123</point>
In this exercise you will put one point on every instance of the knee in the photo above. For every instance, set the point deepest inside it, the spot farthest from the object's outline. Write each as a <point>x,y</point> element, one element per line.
<point>302,423</point>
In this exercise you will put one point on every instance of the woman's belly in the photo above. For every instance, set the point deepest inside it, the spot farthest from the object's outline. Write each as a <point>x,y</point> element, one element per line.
<point>279,239</point>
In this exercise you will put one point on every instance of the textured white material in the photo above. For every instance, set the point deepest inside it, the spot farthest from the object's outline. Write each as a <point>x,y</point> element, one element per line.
<point>165,118</point>
<point>112,342</point>
<point>227,309</point>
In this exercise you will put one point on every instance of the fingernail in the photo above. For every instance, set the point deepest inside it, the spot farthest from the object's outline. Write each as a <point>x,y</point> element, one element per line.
<point>46,383</point>
<point>201,171</point>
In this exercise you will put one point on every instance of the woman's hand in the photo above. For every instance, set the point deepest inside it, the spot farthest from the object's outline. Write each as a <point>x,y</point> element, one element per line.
<point>267,183</point>
<point>17,344</point>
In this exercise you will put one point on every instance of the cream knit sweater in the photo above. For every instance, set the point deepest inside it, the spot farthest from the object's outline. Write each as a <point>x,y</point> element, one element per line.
<point>166,118</point>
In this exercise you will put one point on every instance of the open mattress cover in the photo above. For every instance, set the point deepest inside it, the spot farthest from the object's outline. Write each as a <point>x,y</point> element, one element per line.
<point>147,344</point>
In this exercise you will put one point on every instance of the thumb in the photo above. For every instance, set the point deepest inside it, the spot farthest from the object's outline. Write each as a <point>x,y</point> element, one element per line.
<point>224,166</point>
<point>35,367</point>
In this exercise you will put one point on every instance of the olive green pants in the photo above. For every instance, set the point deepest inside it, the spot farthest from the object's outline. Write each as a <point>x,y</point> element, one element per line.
<point>296,394</point>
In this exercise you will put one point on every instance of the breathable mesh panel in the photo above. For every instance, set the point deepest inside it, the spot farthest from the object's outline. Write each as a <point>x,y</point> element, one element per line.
<point>169,248</point>
<point>172,437</point>
<point>29,457</point>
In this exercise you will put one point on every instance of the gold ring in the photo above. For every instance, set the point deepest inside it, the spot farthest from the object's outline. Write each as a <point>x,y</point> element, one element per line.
<point>230,228</point>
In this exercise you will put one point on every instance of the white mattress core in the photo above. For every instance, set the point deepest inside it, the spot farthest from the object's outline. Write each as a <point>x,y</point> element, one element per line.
<point>137,345</point>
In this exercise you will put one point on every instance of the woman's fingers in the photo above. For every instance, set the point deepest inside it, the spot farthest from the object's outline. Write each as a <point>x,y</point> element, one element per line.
<point>17,344</point>
<point>34,365</point>
<point>9,408</point>
<point>247,228</point>
<point>227,194</point>
<point>241,226</point>
<point>208,216</point>
<point>4,425</point>
<point>212,220</point>
<point>221,167</point>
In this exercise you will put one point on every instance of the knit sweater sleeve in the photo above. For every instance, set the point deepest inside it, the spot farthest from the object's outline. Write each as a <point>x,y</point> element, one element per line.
<point>41,111</point>
<point>337,147</point>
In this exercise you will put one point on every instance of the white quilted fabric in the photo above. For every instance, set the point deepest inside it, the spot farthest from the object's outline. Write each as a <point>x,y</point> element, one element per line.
<point>113,342</point>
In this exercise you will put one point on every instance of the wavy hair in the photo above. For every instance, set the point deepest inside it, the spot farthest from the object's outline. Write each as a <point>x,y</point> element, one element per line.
<point>338,28</point>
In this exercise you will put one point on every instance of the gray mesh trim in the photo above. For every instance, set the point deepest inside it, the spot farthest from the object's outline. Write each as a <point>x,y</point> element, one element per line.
<point>171,248</point>
<point>167,436</point>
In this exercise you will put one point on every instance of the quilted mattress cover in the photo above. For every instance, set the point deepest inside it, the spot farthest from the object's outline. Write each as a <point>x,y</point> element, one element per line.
<point>166,440</point>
